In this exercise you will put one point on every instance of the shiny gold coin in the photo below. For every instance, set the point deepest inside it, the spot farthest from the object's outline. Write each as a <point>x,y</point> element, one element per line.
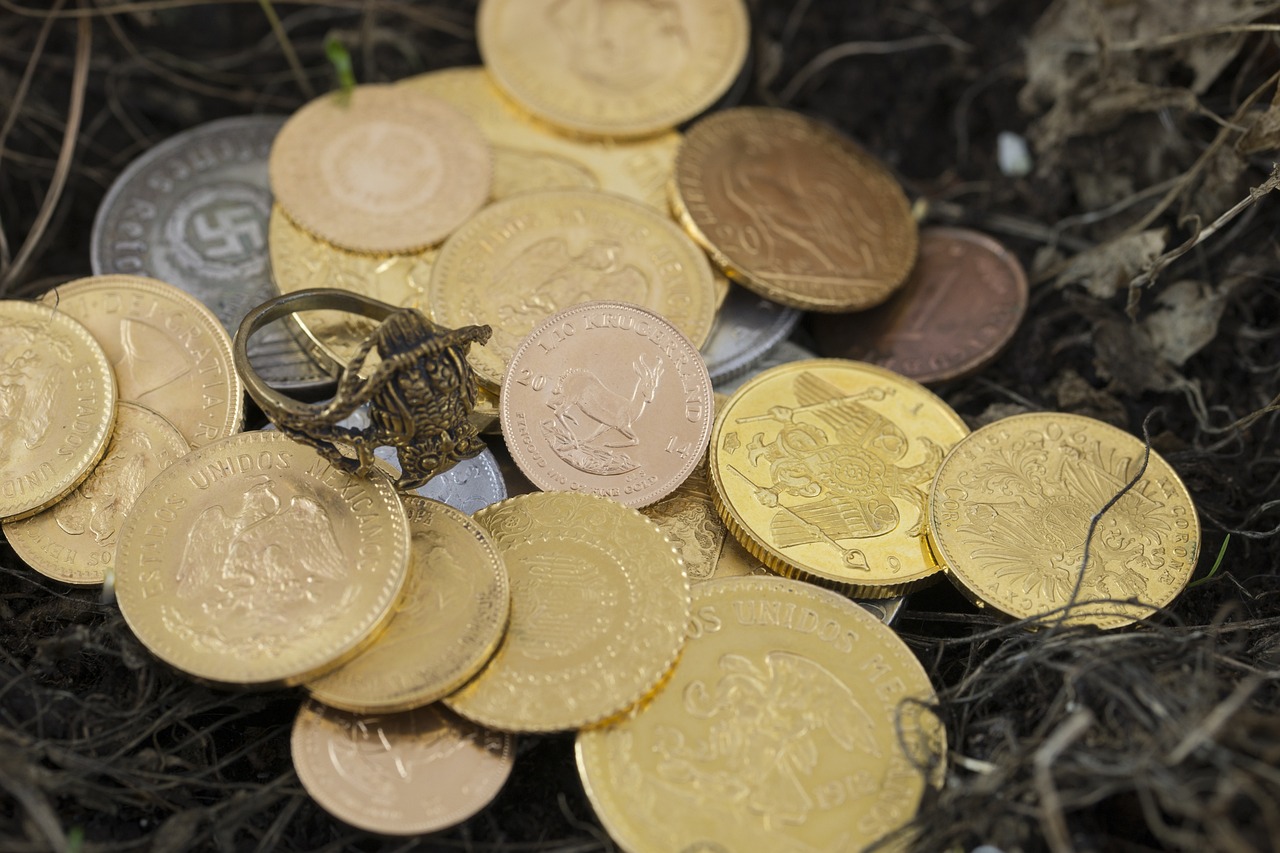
<point>820,468</point>
<point>793,721</point>
<point>169,351</point>
<point>381,169</point>
<point>399,774</point>
<point>450,619</point>
<point>253,562</point>
<point>523,259</point>
<point>74,541</point>
<point>599,602</point>
<point>794,210</point>
<point>1010,512</point>
<point>57,406</point>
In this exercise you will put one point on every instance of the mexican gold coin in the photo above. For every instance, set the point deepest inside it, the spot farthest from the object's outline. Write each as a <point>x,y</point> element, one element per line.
<point>169,351</point>
<point>381,169</point>
<point>794,210</point>
<point>253,562</point>
<point>74,541</point>
<point>821,467</point>
<point>599,602</point>
<point>449,620</point>
<point>523,259</point>
<point>57,406</point>
<point>1010,512</point>
<point>619,68</point>
<point>399,774</point>
<point>793,721</point>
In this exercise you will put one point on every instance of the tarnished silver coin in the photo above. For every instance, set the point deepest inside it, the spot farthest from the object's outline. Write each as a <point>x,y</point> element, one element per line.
<point>884,609</point>
<point>783,353</point>
<point>193,212</point>
<point>747,327</point>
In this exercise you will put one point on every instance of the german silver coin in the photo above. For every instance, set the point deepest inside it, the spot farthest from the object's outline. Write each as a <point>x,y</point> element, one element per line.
<point>783,353</point>
<point>747,328</point>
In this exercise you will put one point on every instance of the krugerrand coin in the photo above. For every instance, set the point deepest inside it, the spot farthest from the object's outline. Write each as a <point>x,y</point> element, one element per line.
<point>794,210</point>
<point>820,468</point>
<point>74,541</point>
<point>599,601</point>
<point>380,169</point>
<point>523,259</point>
<point>629,68</point>
<point>747,328</point>
<point>57,406</point>
<point>168,350</point>
<point>961,304</point>
<point>192,211</point>
<point>793,721</point>
<point>610,399</point>
<point>399,774</point>
<point>1011,509</point>
<point>253,562</point>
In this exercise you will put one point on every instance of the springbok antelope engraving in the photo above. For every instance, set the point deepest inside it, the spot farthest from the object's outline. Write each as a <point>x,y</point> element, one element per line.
<point>582,389</point>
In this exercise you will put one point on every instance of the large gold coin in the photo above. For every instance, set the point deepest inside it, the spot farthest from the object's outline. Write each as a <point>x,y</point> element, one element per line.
<point>793,721</point>
<point>523,259</point>
<point>170,352</point>
<point>450,618</point>
<point>254,562</point>
<point>74,541</point>
<point>599,601</point>
<point>1010,512</point>
<point>794,210</point>
<point>57,406</point>
<point>821,468</point>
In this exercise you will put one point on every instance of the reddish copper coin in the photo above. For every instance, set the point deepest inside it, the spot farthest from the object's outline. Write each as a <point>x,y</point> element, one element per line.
<point>957,311</point>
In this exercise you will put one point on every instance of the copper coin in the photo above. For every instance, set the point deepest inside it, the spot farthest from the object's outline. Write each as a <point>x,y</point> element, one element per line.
<point>957,311</point>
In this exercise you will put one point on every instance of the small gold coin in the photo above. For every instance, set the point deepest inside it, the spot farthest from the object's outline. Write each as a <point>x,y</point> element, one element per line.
<point>254,562</point>
<point>74,541</point>
<point>381,169</point>
<point>629,68</point>
<point>599,601</point>
<point>450,619</point>
<point>57,406</point>
<point>793,721</point>
<point>1010,512</point>
<point>399,774</point>
<point>169,351</point>
<point>523,259</point>
<point>821,467</point>
<point>794,210</point>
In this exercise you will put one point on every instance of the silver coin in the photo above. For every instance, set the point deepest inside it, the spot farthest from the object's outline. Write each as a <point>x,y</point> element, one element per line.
<point>193,212</point>
<point>884,609</point>
<point>747,327</point>
<point>784,353</point>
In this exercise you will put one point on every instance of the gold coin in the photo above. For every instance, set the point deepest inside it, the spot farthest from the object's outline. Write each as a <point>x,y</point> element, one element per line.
<point>57,406</point>
<point>450,619</point>
<point>1010,512</point>
<point>821,467</point>
<point>170,352</point>
<point>399,774</point>
<point>523,259</point>
<point>381,169</point>
<point>74,541</point>
<point>254,562</point>
<point>793,721</point>
<point>599,602</point>
<point>794,210</point>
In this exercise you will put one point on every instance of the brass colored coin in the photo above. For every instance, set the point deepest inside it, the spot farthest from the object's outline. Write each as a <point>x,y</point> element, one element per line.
<point>599,601</point>
<point>74,541</point>
<point>253,562</point>
<point>399,774</point>
<point>383,169</point>
<point>1010,511</point>
<point>609,399</point>
<point>523,259</point>
<point>794,210</point>
<point>57,406</point>
<point>793,721</point>
<point>613,68</point>
<point>170,352</point>
<point>820,468</point>
<point>446,626</point>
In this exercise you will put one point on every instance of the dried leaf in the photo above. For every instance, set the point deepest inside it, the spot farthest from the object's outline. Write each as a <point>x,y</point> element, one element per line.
<point>1105,269</point>
<point>1185,318</point>
<point>1263,134</point>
